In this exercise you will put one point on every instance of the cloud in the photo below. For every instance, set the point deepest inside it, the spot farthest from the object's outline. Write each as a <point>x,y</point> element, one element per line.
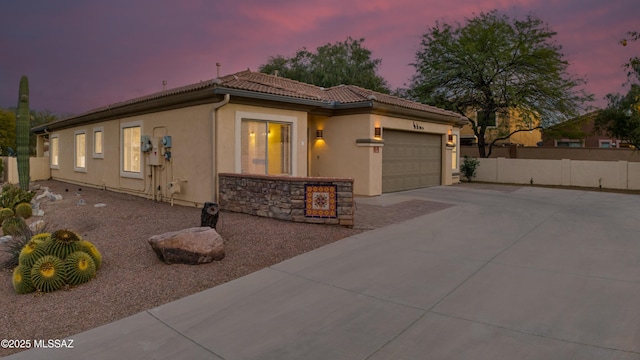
<point>81,55</point>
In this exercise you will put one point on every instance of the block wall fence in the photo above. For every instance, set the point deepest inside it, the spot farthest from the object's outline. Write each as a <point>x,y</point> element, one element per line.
<point>621,175</point>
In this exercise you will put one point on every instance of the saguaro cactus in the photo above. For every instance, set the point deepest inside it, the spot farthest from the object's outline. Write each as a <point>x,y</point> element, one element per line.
<point>23,120</point>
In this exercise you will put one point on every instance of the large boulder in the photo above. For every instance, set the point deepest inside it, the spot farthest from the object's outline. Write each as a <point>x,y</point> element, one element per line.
<point>197,245</point>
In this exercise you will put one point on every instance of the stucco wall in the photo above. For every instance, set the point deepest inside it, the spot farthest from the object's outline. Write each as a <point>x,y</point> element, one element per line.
<point>283,197</point>
<point>228,135</point>
<point>38,169</point>
<point>338,154</point>
<point>191,165</point>
<point>190,129</point>
<point>608,174</point>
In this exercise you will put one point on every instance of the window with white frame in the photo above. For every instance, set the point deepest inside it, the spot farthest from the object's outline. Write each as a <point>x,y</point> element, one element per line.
<point>605,143</point>
<point>131,160</point>
<point>80,150</point>
<point>569,143</point>
<point>54,151</point>
<point>265,147</point>
<point>98,142</point>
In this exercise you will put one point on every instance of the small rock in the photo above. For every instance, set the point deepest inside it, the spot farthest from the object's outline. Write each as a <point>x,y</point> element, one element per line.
<point>100,205</point>
<point>45,194</point>
<point>37,212</point>
<point>197,245</point>
<point>5,238</point>
<point>81,202</point>
<point>37,226</point>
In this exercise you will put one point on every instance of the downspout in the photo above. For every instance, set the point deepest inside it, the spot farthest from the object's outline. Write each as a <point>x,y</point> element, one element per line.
<point>214,144</point>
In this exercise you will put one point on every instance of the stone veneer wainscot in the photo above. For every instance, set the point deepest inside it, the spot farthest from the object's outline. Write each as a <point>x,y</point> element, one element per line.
<point>282,197</point>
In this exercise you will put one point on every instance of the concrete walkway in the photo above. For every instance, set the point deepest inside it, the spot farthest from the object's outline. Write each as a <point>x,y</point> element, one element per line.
<point>492,273</point>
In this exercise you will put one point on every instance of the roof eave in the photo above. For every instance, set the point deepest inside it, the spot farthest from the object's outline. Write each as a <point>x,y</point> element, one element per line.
<point>440,117</point>
<point>196,97</point>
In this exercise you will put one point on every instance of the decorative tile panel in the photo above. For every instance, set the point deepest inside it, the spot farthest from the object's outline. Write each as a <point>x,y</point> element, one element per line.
<point>320,201</point>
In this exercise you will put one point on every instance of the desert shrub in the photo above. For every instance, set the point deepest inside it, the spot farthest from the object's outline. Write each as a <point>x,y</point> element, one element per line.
<point>14,246</point>
<point>12,195</point>
<point>469,167</point>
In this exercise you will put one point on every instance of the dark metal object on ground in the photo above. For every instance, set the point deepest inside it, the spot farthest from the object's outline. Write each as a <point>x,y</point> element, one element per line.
<point>209,215</point>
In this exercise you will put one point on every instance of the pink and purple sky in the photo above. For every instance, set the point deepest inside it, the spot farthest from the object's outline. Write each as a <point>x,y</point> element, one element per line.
<point>80,55</point>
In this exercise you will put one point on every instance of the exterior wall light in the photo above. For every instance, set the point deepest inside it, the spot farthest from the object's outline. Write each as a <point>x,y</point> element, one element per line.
<point>377,132</point>
<point>319,134</point>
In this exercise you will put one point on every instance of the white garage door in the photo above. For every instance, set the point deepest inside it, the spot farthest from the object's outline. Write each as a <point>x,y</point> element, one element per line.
<point>410,160</point>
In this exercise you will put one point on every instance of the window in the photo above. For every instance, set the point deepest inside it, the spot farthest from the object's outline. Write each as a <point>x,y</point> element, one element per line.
<point>55,151</point>
<point>97,143</point>
<point>569,143</point>
<point>605,143</point>
<point>80,151</point>
<point>266,147</point>
<point>489,121</point>
<point>131,161</point>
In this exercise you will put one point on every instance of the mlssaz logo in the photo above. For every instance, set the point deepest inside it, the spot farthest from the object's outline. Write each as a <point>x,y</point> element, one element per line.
<point>417,126</point>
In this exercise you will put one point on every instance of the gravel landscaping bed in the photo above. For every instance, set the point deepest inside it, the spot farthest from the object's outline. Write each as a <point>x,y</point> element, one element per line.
<point>132,279</point>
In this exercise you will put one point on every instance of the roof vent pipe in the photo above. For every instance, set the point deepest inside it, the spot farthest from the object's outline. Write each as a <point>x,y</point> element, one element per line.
<point>217,70</point>
<point>275,73</point>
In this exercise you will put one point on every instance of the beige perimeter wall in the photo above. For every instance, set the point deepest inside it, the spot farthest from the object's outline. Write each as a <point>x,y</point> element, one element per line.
<point>622,175</point>
<point>38,169</point>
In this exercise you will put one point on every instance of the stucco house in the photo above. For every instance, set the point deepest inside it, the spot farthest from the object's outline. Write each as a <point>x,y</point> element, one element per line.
<point>172,145</point>
<point>504,123</point>
<point>580,132</point>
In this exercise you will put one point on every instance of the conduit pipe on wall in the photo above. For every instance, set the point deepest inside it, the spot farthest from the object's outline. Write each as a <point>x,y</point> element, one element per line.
<point>214,144</point>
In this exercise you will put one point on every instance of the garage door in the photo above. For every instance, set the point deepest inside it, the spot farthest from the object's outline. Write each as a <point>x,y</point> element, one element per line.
<point>410,160</point>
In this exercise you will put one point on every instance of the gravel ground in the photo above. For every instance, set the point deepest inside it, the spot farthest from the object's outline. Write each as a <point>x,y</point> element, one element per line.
<point>132,279</point>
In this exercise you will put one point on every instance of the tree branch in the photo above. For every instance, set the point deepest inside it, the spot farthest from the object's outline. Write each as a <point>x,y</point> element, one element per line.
<point>508,136</point>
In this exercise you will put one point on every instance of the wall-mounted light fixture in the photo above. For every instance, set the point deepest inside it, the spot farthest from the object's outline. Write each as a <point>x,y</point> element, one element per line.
<point>377,132</point>
<point>450,138</point>
<point>319,134</point>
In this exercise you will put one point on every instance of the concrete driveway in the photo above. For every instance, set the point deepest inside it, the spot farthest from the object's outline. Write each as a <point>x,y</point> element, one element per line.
<point>500,273</point>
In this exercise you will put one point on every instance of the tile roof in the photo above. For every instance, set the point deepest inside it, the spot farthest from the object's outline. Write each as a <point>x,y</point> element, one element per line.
<point>269,84</point>
<point>259,82</point>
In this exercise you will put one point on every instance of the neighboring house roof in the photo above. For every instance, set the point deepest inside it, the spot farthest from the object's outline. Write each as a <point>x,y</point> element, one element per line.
<point>257,85</point>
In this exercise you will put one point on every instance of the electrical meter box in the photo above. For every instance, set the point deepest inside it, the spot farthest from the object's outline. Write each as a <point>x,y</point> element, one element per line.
<point>155,156</point>
<point>145,143</point>
<point>166,141</point>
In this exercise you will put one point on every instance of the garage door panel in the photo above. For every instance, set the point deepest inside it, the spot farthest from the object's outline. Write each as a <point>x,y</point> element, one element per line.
<point>410,160</point>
